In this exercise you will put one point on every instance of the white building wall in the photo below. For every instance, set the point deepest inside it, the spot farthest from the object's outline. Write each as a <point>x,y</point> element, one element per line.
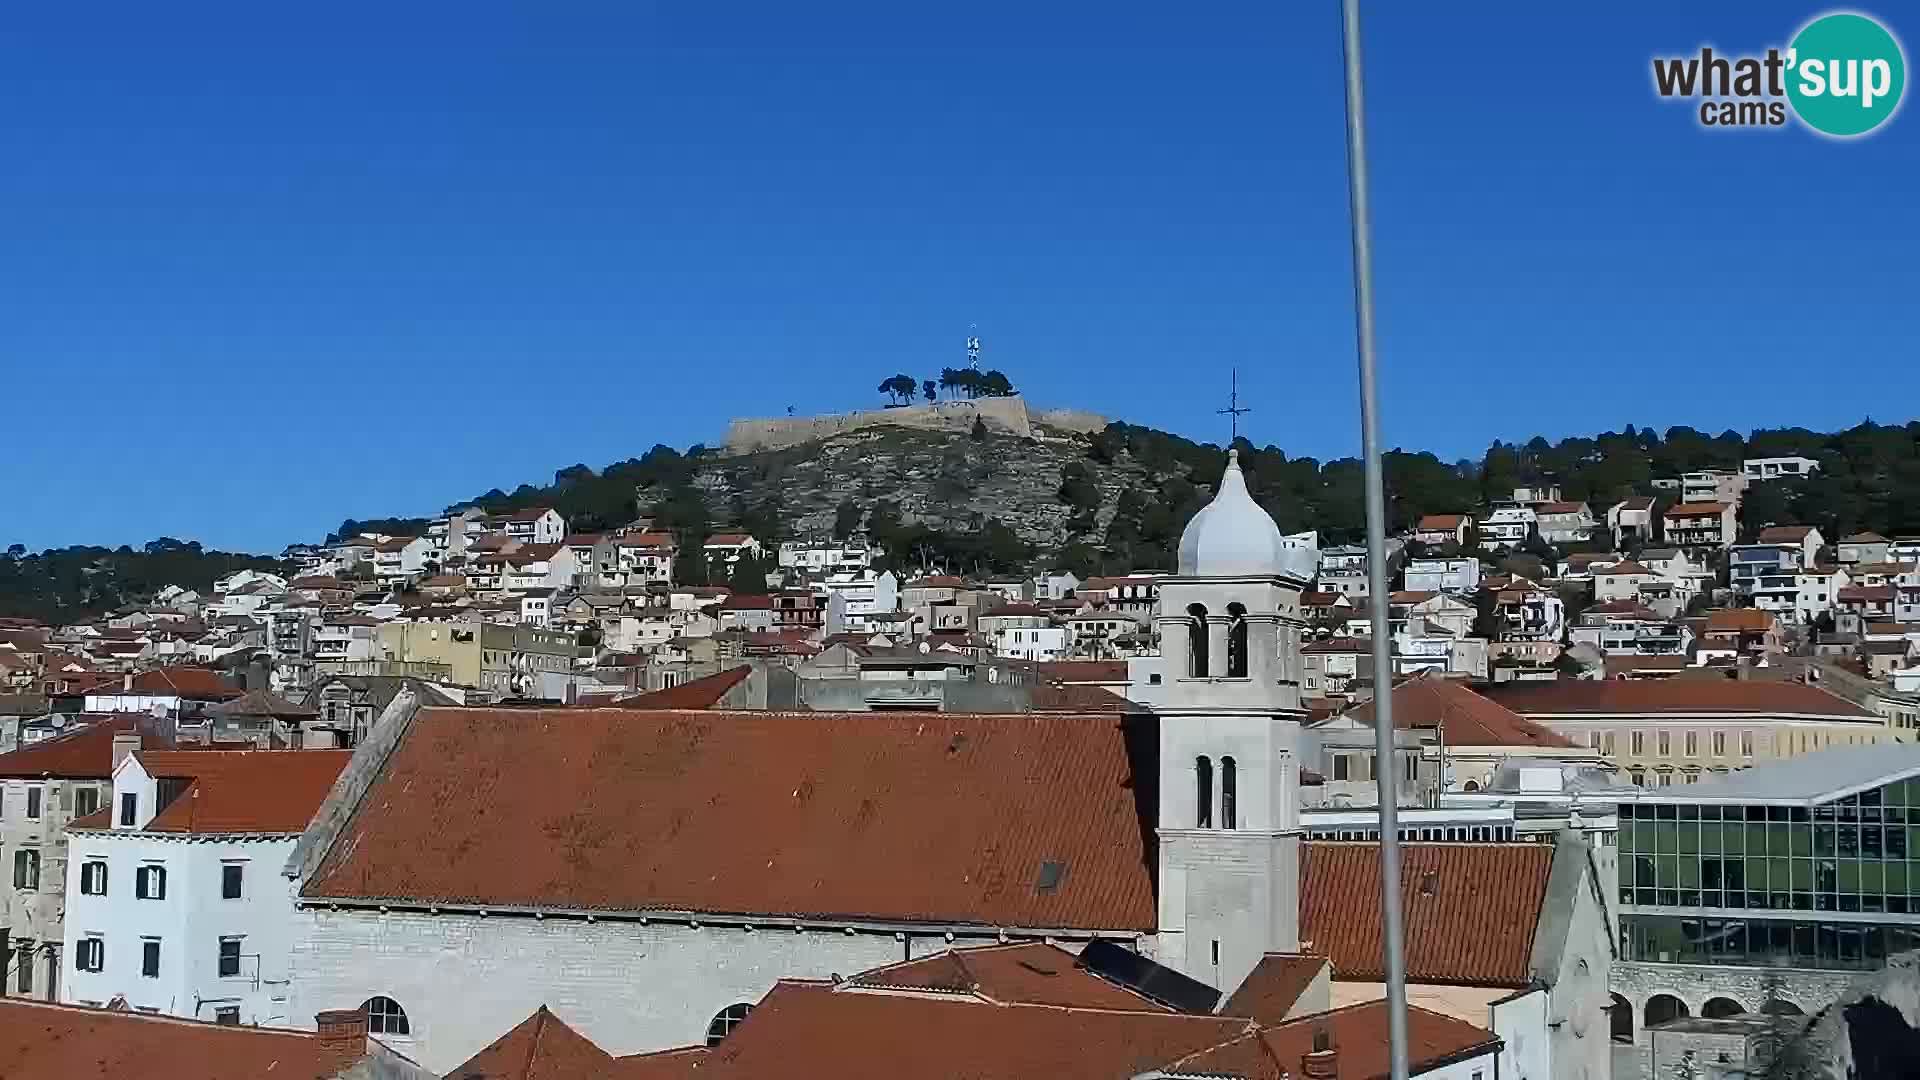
<point>629,986</point>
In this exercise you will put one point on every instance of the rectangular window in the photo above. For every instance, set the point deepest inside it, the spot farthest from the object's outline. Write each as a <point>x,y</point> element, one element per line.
<point>1746,744</point>
<point>1638,741</point>
<point>33,803</point>
<point>26,869</point>
<point>150,958</point>
<point>24,984</point>
<point>231,875</point>
<point>229,957</point>
<point>1719,744</point>
<point>129,806</point>
<point>91,954</point>
<point>1666,743</point>
<point>227,1016</point>
<point>150,883</point>
<point>1606,744</point>
<point>86,801</point>
<point>1693,744</point>
<point>93,877</point>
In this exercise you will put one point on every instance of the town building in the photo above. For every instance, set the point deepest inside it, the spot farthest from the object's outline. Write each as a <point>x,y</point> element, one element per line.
<point>1447,575</point>
<point>1863,547</point>
<point>1778,468</point>
<point>1631,521</point>
<point>1565,522</point>
<point>1507,528</point>
<point>1701,525</point>
<point>725,549</point>
<point>174,901</point>
<point>1443,529</point>
<point>534,525</point>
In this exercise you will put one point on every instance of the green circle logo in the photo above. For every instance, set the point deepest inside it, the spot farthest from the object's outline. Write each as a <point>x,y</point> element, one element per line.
<point>1845,74</point>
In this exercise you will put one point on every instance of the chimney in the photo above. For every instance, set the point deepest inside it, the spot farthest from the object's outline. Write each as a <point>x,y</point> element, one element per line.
<point>343,1039</point>
<point>1323,1062</point>
<point>124,743</point>
<point>126,683</point>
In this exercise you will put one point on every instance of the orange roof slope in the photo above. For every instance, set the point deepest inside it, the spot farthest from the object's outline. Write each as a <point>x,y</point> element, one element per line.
<point>541,1047</point>
<point>75,1043</point>
<point>1083,671</point>
<point>1273,986</point>
<point>1427,702</point>
<point>1470,910</point>
<point>244,791</point>
<point>1358,1034</point>
<point>677,1064</point>
<point>702,693</point>
<point>1657,696</point>
<point>83,754</point>
<point>810,1030</point>
<point>1026,974</point>
<point>191,682</point>
<point>941,818</point>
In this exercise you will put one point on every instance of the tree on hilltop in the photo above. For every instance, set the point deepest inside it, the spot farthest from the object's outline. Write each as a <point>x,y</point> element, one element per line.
<point>899,389</point>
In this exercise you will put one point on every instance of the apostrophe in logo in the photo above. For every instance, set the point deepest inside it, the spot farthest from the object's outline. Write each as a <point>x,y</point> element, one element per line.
<point>1845,74</point>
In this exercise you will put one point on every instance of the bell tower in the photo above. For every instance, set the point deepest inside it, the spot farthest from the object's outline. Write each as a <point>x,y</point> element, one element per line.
<point>1229,707</point>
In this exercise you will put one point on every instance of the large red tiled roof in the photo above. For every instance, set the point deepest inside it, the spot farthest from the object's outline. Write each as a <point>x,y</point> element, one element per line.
<point>1075,697</point>
<point>1274,986</point>
<point>1439,522</point>
<point>1699,509</point>
<point>190,682</point>
<point>1358,1034</point>
<point>73,1043</point>
<point>1470,910</point>
<point>244,791</point>
<point>1739,620</point>
<point>1865,594</point>
<point>1652,697</point>
<point>1429,703</point>
<point>942,818</point>
<point>1031,973</point>
<point>701,693</point>
<point>678,1064</point>
<point>811,1030</point>
<point>84,754</point>
<point>1083,671</point>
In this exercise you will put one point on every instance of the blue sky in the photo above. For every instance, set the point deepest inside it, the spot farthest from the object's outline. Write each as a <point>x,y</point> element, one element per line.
<point>265,269</point>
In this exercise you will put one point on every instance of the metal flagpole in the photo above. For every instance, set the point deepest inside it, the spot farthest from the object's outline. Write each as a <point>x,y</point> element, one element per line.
<point>1386,762</point>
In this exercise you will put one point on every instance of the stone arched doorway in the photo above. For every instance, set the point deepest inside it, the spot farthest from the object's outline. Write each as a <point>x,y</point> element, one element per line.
<point>1661,1008</point>
<point>1720,1008</point>
<point>1620,1018</point>
<point>1782,1007</point>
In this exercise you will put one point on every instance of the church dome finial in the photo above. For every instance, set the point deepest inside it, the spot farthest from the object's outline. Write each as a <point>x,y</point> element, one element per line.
<point>1233,537</point>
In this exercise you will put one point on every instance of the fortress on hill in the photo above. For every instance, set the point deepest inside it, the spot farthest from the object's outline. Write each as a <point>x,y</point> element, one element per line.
<point>1006,415</point>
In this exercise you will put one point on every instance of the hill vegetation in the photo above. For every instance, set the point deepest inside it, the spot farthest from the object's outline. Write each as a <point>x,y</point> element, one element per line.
<point>65,584</point>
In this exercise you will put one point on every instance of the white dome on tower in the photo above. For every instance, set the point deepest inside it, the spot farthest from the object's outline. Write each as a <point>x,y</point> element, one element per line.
<point>1233,537</point>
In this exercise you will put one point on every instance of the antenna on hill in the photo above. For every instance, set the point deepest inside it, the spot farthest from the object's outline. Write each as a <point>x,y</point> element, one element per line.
<point>1234,410</point>
<point>973,346</point>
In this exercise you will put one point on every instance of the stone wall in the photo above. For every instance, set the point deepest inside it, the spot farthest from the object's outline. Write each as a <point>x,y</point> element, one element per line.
<point>1007,415</point>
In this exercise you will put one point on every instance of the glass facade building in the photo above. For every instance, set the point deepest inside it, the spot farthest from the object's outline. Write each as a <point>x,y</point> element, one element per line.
<point>1826,883</point>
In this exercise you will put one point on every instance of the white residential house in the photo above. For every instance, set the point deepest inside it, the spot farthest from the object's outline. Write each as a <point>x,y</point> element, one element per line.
<point>1055,585</point>
<point>539,566</point>
<point>1631,520</point>
<point>1565,522</point>
<point>1864,547</point>
<point>534,525</point>
<point>1457,575</point>
<point>346,637</point>
<point>1778,468</point>
<point>175,899</point>
<point>1436,610</point>
<point>1443,529</point>
<point>1537,493</point>
<point>1023,632</point>
<point>865,594</point>
<point>1798,595</point>
<point>1507,528</point>
<point>536,607</point>
<point>401,557</point>
<point>1621,581</point>
<point>827,556</point>
<point>1699,525</point>
<point>1628,628</point>
<point>729,548</point>
<point>639,559</point>
<point>1712,485</point>
<point>1344,570</point>
<point>1804,540</point>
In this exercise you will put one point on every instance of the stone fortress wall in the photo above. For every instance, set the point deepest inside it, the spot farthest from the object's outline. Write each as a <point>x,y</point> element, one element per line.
<point>1007,415</point>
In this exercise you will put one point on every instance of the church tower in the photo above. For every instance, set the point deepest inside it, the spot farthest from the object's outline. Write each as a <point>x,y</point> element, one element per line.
<point>1229,707</point>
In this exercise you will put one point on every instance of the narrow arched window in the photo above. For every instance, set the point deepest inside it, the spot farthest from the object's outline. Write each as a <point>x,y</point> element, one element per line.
<point>1203,788</point>
<point>1236,643</point>
<point>1229,794</point>
<point>385,1016</point>
<point>1197,640</point>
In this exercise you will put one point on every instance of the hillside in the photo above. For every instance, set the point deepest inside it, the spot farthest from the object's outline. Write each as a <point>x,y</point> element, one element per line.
<point>71,583</point>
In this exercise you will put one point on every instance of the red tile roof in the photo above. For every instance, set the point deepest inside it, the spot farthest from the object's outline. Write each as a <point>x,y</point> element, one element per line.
<point>1012,610</point>
<point>1559,508</point>
<point>1865,594</point>
<point>1637,502</point>
<point>243,791</point>
<point>1654,697</point>
<point>702,693</point>
<point>1076,697</point>
<point>73,1043</point>
<point>942,818</point>
<point>1864,538</point>
<point>937,581</point>
<point>810,1030</point>
<point>1739,621</point>
<point>1274,986</point>
<point>1699,509</point>
<point>1358,1034</point>
<point>678,1064</point>
<point>1625,568</point>
<point>200,684</point>
<point>1429,702</point>
<point>541,1047</point>
<point>1441,522</point>
<point>1030,973</point>
<point>85,754</point>
<point>748,603</point>
<point>1783,534</point>
<point>728,539</point>
<point>1470,909</point>
<point>261,703</point>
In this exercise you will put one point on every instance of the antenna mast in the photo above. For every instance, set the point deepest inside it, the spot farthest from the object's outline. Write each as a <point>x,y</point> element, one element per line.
<point>973,346</point>
<point>1234,410</point>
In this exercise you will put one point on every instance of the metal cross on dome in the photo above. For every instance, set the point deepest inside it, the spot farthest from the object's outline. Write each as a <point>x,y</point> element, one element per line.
<point>1234,410</point>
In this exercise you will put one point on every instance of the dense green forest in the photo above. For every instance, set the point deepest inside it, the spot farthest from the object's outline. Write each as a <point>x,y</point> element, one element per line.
<point>1869,479</point>
<point>64,584</point>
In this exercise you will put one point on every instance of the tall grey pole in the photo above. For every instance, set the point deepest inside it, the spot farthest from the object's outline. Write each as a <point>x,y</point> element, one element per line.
<point>1386,763</point>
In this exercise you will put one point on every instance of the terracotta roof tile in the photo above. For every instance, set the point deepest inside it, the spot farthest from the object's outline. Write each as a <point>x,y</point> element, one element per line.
<point>1427,702</point>
<point>1358,1034</point>
<point>1031,973</point>
<point>1626,568</point>
<point>810,1030</point>
<point>261,703</point>
<point>1783,534</point>
<point>1699,509</point>
<point>1560,508</point>
<point>702,693</point>
<point>1636,502</point>
<point>1470,909</point>
<point>758,813</point>
<point>243,791</point>
<point>1083,671</point>
<point>748,603</point>
<point>1739,621</point>
<point>1441,522</point>
<point>1076,697</point>
<point>679,1064</point>
<point>541,1047</point>
<point>728,539</point>
<point>73,1043</point>
<point>190,682</point>
<point>1654,697</point>
<point>1865,594</point>
<point>1274,986</point>
<point>85,754</point>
